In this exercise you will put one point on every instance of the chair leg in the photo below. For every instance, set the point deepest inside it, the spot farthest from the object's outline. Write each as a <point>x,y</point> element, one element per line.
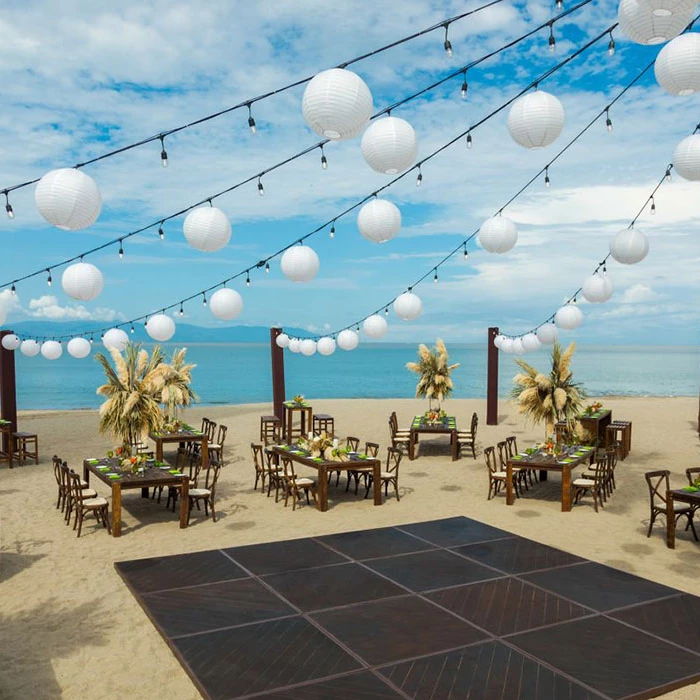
<point>213,512</point>
<point>396,488</point>
<point>79,519</point>
<point>691,525</point>
<point>651,522</point>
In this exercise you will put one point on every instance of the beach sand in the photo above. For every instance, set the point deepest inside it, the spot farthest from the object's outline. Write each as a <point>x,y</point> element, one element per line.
<point>69,627</point>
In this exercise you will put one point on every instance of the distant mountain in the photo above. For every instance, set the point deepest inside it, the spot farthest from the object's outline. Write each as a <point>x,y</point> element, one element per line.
<point>185,333</point>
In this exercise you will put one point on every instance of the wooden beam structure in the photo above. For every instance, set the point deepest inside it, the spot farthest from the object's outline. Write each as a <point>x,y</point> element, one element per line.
<point>492,379</point>
<point>8,391</point>
<point>278,390</point>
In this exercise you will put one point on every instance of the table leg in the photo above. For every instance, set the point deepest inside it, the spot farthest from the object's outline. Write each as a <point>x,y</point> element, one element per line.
<point>412,445</point>
<point>185,499</point>
<point>566,489</point>
<point>116,510</point>
<point>377,483</point>
<point>543,475</point>
<point>144,492</point>
<point>670,522</point>
<point>510,495</point>
<point>453,444</point>
<point>159,450</point>
<point>86,474</point>
<point>322,491</point>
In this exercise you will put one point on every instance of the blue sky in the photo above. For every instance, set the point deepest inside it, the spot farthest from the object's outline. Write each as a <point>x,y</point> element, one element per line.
<point>79,78</point>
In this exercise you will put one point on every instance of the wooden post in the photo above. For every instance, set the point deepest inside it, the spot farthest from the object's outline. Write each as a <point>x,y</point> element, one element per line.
<point>492,380</point>
<point>8,392</point>
<point>278,390</point>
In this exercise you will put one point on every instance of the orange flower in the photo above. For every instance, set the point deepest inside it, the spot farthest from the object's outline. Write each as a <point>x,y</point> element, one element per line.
<point>133,460</point>
<point>119,450</point>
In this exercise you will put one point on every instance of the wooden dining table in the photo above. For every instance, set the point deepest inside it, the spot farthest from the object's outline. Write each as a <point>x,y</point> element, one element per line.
<point>674,496</point>
<point>564,463</point>
<point>107,470</point>
<point>324,466</point>
<point>181,437</point>
<point>447,426</point>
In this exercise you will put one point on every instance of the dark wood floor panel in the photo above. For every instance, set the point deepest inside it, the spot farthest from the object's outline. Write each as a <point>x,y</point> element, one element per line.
<point>518,555</point>
<point>160,573</point>
<point>451,532</point>
<point>489,671</point>
<point>397,628</point>
<point>382,542</point>
<point>507,605</point>
<point>190,610</point>
<point>434,569</point>
<point>676,619</point>
<point>599,587</point>
<point>332,586</point>
<point>356,686</point>
<point>610,657</point>
<point>256,658</point>
<point>275,557</point>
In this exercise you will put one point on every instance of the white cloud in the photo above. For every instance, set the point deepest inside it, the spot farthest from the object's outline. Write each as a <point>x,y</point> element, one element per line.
<point>48,307</point>
<point>637,294</point>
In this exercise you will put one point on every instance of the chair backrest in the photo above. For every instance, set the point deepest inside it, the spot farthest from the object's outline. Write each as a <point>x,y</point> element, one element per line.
<point>612,453</point>
<point>393,460</point>
<point>692,473</point>
<point>205,425</point>
<point>212,476</point>
<point>601,469</point>
<point>211,431</point>
<point>353,443</point>
<point>490,458</point>
<point>65,478</point>
<point>73,481</point>
<point>288,468</point>
<point>502,448</point>
<point>394,421</point>
<point>57,470</point>
<point>658,484</point>
<point>392,430</point>
<point>512,445</point>
<point>257,451</point>
<point>221,437</point>
<point>371,449</point>
<point>475,423</point>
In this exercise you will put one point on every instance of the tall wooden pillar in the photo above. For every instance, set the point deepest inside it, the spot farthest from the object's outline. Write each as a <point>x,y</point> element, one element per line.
<point>278,390</point>
<point>8,390</point>
<point>492,380</point>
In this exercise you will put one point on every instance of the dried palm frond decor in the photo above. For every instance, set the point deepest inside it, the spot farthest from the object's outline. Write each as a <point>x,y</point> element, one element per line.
<point>177,392</point>
<point>434,381</point>
<point>552,398</point>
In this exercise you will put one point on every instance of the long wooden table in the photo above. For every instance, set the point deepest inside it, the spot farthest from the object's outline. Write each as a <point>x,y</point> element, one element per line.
<point>546,463</point>
<point>691,497</point>
<point>181,436</point>
<point>152,476</point>
<point>323,467</point>
<point>445,427</point>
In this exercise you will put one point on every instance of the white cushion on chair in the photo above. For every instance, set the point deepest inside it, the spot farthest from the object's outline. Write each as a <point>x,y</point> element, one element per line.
<point>83,484</point>
<point>387,475</point>
<point>499,475</point>
<point>401,438</point>
<point>304,481</point>
<point>199,492</point>
<point>681,506</point>
<point>584,482</point>
<point>94,502</point>
<point>87,493</point>
<point>214,446</point>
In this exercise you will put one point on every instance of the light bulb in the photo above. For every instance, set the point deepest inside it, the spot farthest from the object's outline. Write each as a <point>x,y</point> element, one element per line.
<point>247,280</point>
<point>609,124</point>
<point>261,189</point>
<point>611,47</point>
<point>435,279</point>
<point>13,290</point>
<point>653,206</point>
<point>466,252</point>
<point>161,232</point>
<point>448,48</point>
<point>552,43</point>
<point>49,281</point>
<point>419,179</point>
<point>182,311</point>
<point>465,88</point>
<point>121,252</point>
<point>267,268</point>
<point>251,125</point>
<point>667,176</point>
<point>546,181</point>
<point>332,233</point>
<point>560,5</point>
<point>132,327</point>
<point>204,299</point>
<point>469,140</point>
<point>163,153</point>
<point>386,311</point>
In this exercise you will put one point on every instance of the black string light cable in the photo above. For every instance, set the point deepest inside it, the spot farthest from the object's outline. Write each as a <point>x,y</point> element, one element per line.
<point>462,246</point>
<point>300,154</point>
<point>252,100</point>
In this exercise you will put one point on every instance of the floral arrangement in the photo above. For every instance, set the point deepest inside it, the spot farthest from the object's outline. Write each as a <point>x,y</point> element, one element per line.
<point>127,462</point>
<point>173,426</point>
<point>592,408</point>
<point>298,400</point>
<point>323,445</point>
<point>434,416</point>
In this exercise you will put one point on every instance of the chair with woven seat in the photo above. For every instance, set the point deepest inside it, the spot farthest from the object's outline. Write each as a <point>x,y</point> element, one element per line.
<point>216,448</point>
<point>205,494</point>
<point>294,485</point>
<point>259,464</point>
<point>467,438</point>
<point>398,438</point>
<point>62,494</point>
<point>27,446</point>
<point>610,458</point>
<point>519,473</point>
<point>390,476</point>
<point>86,491</point>
<point>658,483</point>
<point>84,505</point>
<point>371,450</point>
<point>497,478</point>
<point>187,464</point>
<point>395,422</point>
<point>595,486</point>
<point>274,473</point>
<point>512,450</point>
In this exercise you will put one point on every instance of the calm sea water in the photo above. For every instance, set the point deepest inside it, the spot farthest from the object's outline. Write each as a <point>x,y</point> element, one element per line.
<point>240,373</point>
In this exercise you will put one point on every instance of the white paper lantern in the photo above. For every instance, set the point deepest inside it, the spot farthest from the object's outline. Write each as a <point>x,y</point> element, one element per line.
<point>531,342</point>
<point>282,340</point>
<point>498,234</point>
<point>597,288</point>
<point>82,281</point>
<point>498,340</point>
<point>115,338</point>
<point>507,345</point>
<point>654,21</point>
<point>51,350</point>
<point>308,347</point>
<point>325,346</point>
<point>535,120</point>
<point>300,263</point>
<point>629,246</point>
<point>79,348</point>
<point>30,348</point>
<point>337,104</point>
<point>568,317</point>
<point>518,348</point>
<point>547,334</point>
<point>379,220</point>
<point>160,327</point>
<point>68,199</point>
<point>686,158</point>
<point>348,340</point>
<point>375,326</point>
<point>11,342</point>
<point>677,67</point>
<point>389,145</point>
<point>226,304</point>
<point>408,306</point>
<point>294,345</point>
<point>207,229</point>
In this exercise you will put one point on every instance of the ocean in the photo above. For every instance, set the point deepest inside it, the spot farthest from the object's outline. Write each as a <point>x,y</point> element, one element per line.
<point>240,373</point>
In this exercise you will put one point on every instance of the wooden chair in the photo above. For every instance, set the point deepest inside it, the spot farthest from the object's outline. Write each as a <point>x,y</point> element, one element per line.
<point>390,476</point>
<point>294,484</point>
<point>27,446</point>
<point>68,489</point>
<point>259,464</point>
<point>186,463</point>
<point>467,438</point>
<point>512,450</point>
<point>274,473</point>
<point>207,493</point>
<point>216,448</point>
<point>519,473</point>
<point>595,486</point>
<point>658,483</point>
<point>395,422</point>
<point>62,495</point>
<point>353,443</point>
<point>84,505</point>
<point>497,478</point>
<point>371,450</point>
<point>398,439</point>
<point>692,474</point>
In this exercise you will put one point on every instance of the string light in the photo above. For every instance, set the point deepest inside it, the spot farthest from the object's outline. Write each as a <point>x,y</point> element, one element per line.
<point>121,249</point>
<point>611,45</point>
<point>161,231</point>
<point>247,279</point>
<point>447,44</point>
<point>386,311</point>
<point>608,121</point>
<point>204,298</point>
<point>49,281</point>
<point>560,5</point>
<point>435,279</point>
<point>251,121</point>
<point>13,290</point>
<point>466,252</point>
<point>552,40</point>
<point>469,139</point>
<point>667,176</point>
<point>653,206</point>
<point>182,311</point>
<point>8,207</point>
<point>163,152</point>
<point>546,177</point>
<point>419,179</point>
<point>332,233</point>
<point>261,189</point>
<point>267,268</point>
<point>465,86</point>
<point>324,160</point>
<point>132,327</point>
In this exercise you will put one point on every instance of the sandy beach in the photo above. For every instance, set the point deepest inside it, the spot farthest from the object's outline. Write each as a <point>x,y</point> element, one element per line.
<point>71,629</point>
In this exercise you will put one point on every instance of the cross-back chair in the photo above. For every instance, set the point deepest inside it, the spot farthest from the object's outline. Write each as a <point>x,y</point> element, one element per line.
<point>207,492</point>
<point>294,485</point>
<point>658,483</point>
<point>390,476</point>
<point>82,505</point>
